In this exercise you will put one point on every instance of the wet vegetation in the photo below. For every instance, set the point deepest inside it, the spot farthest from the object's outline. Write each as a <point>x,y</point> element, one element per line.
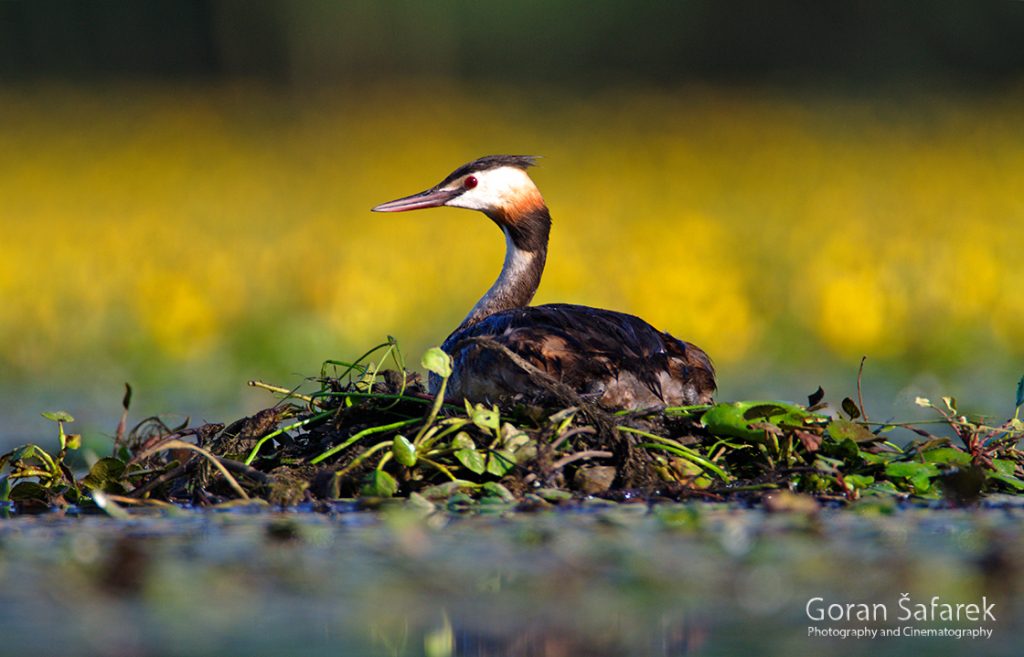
<point>367,430</point>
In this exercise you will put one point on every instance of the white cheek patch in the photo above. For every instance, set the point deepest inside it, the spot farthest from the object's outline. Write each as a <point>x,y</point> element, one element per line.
<point>495,188</point>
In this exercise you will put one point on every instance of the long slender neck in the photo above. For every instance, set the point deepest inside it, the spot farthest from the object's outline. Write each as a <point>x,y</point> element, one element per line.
<point>526,250</point>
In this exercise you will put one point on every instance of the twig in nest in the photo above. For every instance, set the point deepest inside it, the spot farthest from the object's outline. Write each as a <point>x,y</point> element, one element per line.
<point>181,444</point>
<point>242,468</point>
<point>570,433</point>
<point>589,454</point>
<point>170,475</point>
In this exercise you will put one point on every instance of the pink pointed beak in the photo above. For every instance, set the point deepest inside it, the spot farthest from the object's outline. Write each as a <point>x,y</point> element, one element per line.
<point>432,198</point>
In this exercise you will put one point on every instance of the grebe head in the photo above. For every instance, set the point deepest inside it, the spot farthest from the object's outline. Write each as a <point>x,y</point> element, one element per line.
<point>496,185</point>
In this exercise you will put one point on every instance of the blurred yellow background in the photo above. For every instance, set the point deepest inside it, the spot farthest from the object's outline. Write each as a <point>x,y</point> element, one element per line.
<point>197,236</point>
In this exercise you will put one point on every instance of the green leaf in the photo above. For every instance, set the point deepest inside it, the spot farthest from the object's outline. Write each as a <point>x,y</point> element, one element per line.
<point>881,457</point>
<point>494,489</point>
<point>104,475</point>
<point>826,464</point>
<point>884,488</point>
<point>58,416</point>
<point>911,469</point>
<point>921,483</point>
<point>846,449</point>
<point>735,418</point>
<point>485,418</point>
<point>437,361</point>
<point>1008,479</point>
<point>379,484</point>
<point>24,452</point>
<point>726,419</point>
<point>859,481</point>
<point>841,429</point>
<point>918,474</point>
<point>73,440</point>
<point>1004,466</point>
<point>445,490</point>
<point>404,451</point>
<point>473,459</point>
<point>29,490</point>
<point>554,494</point>
<point>947,455</point>
<point>499,462</point>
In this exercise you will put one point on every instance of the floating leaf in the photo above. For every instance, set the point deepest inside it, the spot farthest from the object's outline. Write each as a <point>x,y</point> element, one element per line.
<point>554,495</point>
<point>379,484</point>
<point>841,429</point>
<point>494,489</point>
<point>1009,480</point>
<point>445,490</point>
<point>735,418</point>
<point>947,455</point>
<point>58,416</point>
<point>850,408</point>
<point>437,361</point>
<point>918,474</point>
<point>879,458</point>
<point>1004,466</point>
<point>404,451</point>
<point>910,469</point>
<point>765,410</point>
<point>884,488</point>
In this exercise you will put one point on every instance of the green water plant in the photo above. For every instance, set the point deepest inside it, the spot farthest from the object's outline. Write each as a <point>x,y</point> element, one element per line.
<point>371,432</point>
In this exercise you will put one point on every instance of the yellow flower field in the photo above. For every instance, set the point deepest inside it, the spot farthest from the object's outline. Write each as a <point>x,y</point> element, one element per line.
<point>227,232</point>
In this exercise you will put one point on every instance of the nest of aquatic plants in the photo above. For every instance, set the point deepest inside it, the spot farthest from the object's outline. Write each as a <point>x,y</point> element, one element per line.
<point>368,433</point>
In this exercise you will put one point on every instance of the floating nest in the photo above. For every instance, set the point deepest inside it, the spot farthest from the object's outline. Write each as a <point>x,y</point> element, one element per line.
<point>364,433</point>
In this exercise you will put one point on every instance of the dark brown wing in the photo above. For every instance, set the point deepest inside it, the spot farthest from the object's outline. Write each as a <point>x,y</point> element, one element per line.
<point>615,359</point>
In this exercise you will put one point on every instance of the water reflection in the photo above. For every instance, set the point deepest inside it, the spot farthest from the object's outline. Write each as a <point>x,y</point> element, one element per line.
<point>621,581</point>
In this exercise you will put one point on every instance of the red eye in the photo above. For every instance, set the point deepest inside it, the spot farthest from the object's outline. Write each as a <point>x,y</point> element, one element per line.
<point>469,182</point>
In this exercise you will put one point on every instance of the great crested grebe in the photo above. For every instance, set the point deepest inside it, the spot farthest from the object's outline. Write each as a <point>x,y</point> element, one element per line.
<point>616,360</point>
